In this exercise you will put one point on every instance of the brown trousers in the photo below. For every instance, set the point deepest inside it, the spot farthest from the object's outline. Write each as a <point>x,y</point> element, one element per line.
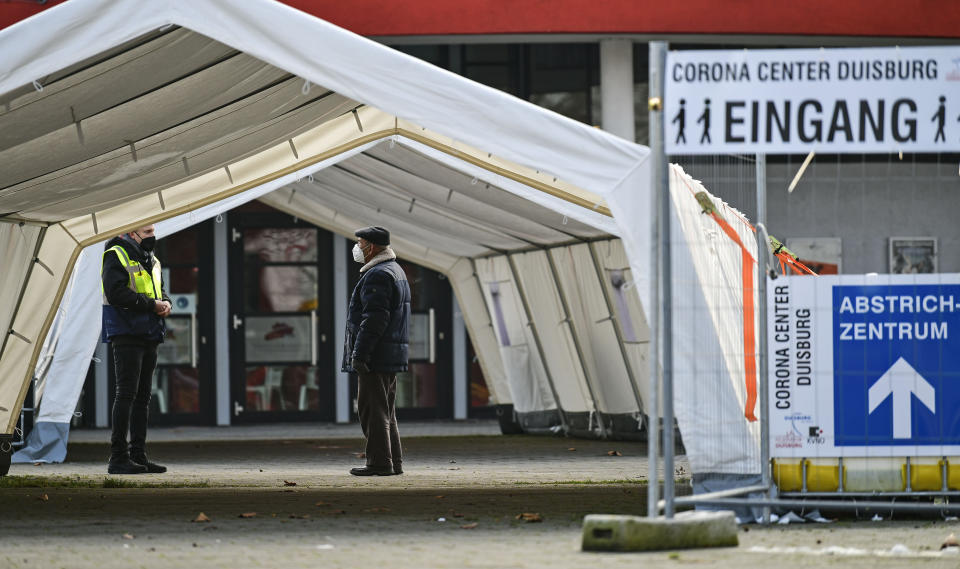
<point>376,407</point>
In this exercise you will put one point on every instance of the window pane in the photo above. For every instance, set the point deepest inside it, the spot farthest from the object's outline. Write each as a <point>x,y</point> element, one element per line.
<point>176,390</point>
<point>277,338</point>
<point>273,245</point>
<point>176,345</point>
<point>280,289</point>
<point>417,387</point>
<point>282,388</point>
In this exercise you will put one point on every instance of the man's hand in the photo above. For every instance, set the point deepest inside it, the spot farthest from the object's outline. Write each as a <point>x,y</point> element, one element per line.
<point>162,308</point>
<point>359,366</point>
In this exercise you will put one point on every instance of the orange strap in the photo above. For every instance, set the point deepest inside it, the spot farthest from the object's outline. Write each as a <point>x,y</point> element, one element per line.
<point>747,263</point>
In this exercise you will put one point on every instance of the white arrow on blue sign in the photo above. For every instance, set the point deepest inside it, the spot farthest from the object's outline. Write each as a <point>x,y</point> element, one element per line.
<point>896,365</point>
<point>900,382</point>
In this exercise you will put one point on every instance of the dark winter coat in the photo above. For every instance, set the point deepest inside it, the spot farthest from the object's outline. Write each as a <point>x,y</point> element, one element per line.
<point>378,319</point>
<point>129,316</point>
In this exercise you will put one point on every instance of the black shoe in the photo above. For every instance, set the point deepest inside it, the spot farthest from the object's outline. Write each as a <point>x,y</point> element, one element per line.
<point>397,469</point>
<point>372,471</point>
<point>125,466</point>
<point>152,467</point>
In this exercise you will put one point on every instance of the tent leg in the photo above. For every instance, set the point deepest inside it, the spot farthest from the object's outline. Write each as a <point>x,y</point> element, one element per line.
<point>6,453</point>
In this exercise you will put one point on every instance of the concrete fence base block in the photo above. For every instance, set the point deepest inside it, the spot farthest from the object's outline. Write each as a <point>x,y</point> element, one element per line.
<point>687,530</point>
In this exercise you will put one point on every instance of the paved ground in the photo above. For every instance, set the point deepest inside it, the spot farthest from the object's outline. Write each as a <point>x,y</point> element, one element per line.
<point>476,484</point>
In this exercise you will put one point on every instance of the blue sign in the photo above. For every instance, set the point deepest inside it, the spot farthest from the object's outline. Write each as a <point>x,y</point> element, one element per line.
<point>896,362</point>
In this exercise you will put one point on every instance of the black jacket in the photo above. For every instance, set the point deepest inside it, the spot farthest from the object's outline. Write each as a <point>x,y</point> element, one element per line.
<point>130,315</point>
<point>378,319</point>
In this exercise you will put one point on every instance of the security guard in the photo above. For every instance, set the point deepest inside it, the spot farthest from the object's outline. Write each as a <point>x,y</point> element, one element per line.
<point>376,346</point>
<point>134,306</point>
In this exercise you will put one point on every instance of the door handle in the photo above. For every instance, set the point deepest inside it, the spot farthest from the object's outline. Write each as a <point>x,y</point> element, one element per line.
<point>313,337</point>
<point>433,338</point>
<point>237,322</point>
<point>193,339</point>
<point>237,408</point>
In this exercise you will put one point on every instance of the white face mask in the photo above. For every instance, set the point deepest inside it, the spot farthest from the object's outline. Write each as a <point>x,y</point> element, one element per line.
<point>358,255</point>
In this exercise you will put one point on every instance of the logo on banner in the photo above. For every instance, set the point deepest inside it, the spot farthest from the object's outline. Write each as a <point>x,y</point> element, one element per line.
<point>896,351</point>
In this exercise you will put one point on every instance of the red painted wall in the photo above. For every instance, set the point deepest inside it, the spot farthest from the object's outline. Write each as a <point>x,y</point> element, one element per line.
<point>918,18</point>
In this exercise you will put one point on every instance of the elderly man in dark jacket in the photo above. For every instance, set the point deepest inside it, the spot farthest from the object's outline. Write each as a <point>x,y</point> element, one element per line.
<point>376,347</point>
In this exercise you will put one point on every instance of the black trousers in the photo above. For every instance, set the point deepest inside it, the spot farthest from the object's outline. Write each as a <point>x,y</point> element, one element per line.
<point>134,364</point>
<point>376,406</point>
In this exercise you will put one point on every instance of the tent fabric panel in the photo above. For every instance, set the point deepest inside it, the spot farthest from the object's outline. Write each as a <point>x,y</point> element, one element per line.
<point>79,334</point>
<point>526,377</point>
<point>159,162</point>
<point>521,217</point>
<point>708,368</point>
<point>552,326</point>
<point>477,320</point>
<point>393,204</point>
<point>630,319</point>
<point>17,245</point>
<point>592,321</point>
<point>41,291</point>
<point>337,201</point>
<point>557,200</point>
<point>137,119</point>
<point>105,84</point>
<point>383,173</point>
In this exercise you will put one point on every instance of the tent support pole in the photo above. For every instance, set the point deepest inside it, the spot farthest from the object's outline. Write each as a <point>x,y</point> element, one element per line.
<point>661,187</point>
<point>631,374</point>
<point>576,341</point>
<point>536,340</point>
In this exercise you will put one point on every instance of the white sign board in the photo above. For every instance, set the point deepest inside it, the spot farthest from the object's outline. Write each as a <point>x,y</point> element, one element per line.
<point>828,100</point>
<point>864,366</point>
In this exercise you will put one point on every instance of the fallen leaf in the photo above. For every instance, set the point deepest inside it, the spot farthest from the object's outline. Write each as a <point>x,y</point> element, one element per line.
<point>440,497</point>
<point>44,497</point>
<point>248,515</point>
<point>127,536</point>
<point>300,517</point>
<point>288,483</point>
<point>337,512</point>
<point>38,464</point>
<point>456,514</point>
<point>951,541</point>
<point>614,453</point>
<point>360,454</point>
<point>571,449</point>
<point>469,526</point>
<point>322,504</point>
<point>378,510</point>
<point>201,517</point>
<point>529,517</point>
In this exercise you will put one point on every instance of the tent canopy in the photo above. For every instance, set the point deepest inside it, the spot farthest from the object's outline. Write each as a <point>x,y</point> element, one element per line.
<point>117,113</point>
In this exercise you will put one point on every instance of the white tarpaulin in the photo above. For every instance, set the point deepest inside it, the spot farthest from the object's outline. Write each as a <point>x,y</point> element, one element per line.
<point>840,100</point>
<point>154,110</point>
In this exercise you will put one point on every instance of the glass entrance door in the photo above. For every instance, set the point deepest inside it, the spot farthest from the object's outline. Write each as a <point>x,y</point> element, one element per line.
<point>282,344</point>
<point>183,385</point>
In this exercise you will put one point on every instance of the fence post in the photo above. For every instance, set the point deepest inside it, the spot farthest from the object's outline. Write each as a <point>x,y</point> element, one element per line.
<point>762,247</point>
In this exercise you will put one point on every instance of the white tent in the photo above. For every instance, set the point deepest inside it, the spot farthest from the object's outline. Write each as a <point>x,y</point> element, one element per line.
<point>116,113</point>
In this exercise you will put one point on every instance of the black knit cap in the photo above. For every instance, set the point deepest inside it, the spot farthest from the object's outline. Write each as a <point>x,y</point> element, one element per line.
<point>376,235</point>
